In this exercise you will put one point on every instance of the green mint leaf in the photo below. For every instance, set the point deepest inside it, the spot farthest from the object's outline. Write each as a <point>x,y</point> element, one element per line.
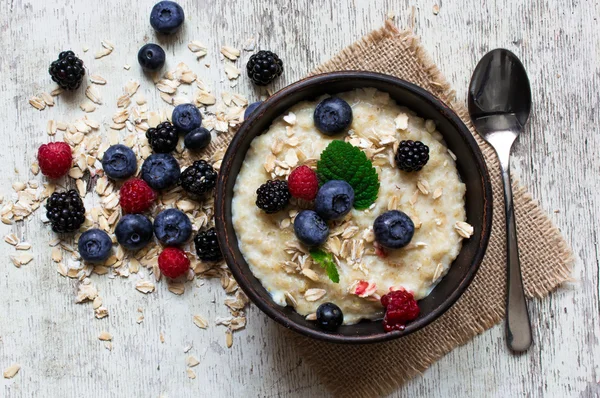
<point>325,260</point>
<point>343,161</point>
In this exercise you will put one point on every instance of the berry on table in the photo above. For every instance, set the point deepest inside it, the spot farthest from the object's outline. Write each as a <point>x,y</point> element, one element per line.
<point>166,17</point>
<point>119,162</point>
<point>197,139</point>
<point>134,231</point>
<point>160,171</point>
<point>273,196</point>
<point>199,178</point>
<point>173,262</point>
<point>334,200</point>
<point>303,183</point>
<point>67,71</point>
<point>332,116</point>
<point>310,229</point>
<point>329,317</point>
<point>151,57</point>
<point>207,245</point>
<point>55,159</point>
<point>65,211</point>
<point>186,117</point>
<point>136,196</point>
<point>251,108</point>
<point>163,138</point>
<point>412,155</point>
<point>400,308</point>
<point>172,227</point>
<point>264,67</point>
<point>393,229</point>
<point>94,245</point>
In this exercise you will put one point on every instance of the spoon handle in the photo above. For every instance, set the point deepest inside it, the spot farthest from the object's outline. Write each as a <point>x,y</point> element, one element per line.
<point>518,325</point>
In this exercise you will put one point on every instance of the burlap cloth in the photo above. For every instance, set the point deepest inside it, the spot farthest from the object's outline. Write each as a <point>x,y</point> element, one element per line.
<point>379,369</point>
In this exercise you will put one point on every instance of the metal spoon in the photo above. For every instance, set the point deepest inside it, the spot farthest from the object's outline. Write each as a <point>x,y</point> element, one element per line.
<point>499,105</point>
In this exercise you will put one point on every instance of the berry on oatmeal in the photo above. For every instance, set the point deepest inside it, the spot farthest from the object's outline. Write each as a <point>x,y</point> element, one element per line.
<point>55,159</point>
<point>273,196</point>
<point>67,71</point>
<point>264,67</point>
<point>329,317</point>
<point>173,262</point>
<point>163,138</point>
<point>119,162</point>
<point>207,245</point>
<point>332,116</point>
<point>166,17</point>
<point>400,308</point>
<point>393,229</point>
<point>186,117</point>
<point>134,231</point>
<point>151,57</point>
<point>172,227</point>
<point>160,171</point>
<point>310,229</point>
<point>65,211</point>
<point>334,200</point>
<point>136,196</point>
<point>94,245</point>
<point>199,178</point>
<point>303,183</point>
<point>412,155</point>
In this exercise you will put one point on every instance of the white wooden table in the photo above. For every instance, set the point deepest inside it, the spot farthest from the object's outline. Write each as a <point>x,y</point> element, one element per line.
<point>56,341</point>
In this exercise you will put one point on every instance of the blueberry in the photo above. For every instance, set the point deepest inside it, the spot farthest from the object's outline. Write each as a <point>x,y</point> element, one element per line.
<point>166,17</point>
<point>393,229</point>
<point>172,227</point>
<point>329,317</point>
<point>310,229</point>
<point>197,139</point>
<point>94,245</point>
<point>186,117</point>
<point>251,108</point>
<point>151,57</point>
<point>332,116</point>
<point>134,231</point>
<point>160,171</point>
<point>334,200</point>
<point>119,162</point>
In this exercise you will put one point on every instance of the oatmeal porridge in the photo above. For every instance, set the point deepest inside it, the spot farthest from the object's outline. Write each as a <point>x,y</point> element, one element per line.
<point>432,197</point>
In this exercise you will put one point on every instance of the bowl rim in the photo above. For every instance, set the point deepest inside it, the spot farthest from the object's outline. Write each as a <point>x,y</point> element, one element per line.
<point>221,219</point>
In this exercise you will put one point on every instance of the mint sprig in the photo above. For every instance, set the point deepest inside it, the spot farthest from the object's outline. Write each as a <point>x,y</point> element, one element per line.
<point>325,260</point>
<point>343,161</point>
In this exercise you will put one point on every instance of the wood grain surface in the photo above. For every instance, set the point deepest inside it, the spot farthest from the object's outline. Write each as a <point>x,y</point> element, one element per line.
<point>56,341</point>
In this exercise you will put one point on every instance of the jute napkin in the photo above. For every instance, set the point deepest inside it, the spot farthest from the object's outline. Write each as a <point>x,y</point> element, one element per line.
<point>357,371</point>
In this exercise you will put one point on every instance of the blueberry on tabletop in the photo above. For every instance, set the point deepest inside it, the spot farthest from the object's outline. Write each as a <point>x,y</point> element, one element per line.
<point>151,57</point>
<point>119,162</point>
<point>95,246</point>
<point>310,229</point>
<point>160,171</point>
<point>329,317</point>
<point>393,229</point>
<point>166,17</point>
<point>334,200</point>
<point>172,227</point>
<point>197,139</point>
<point>332,116</point>
<point>134,231</point>
<point>186,117</point>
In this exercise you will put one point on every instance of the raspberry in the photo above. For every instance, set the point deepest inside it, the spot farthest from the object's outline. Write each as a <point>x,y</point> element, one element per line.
<point>400,308</point>
<point>55,159</point>
<point>303,183</point>
<point>136,196</point>
<point>173,262</point>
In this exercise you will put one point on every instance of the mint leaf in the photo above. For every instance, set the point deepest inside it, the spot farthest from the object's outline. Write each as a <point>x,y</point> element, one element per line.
<point>325,260</point>
<point>343,161</point>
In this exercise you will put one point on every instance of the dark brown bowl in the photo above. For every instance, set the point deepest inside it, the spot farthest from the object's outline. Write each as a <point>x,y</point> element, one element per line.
<point>470,164</point>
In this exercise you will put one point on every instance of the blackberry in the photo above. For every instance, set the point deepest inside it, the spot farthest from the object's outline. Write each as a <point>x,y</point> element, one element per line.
<point>65,211</point>
<point>273,196</point>
<point>263,67</point>
<point>412,155</point>
<point>207,245</point>
<point>67,70</point>
<point>199,178</point>
<point>163,138</point>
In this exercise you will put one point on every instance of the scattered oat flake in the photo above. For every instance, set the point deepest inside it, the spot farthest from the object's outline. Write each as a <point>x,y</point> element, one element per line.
<point>101,312</point>
<point>464,229</point>
<point>23,246</point>
<point>11,239</point>
<point>102,53</point>
<point>21,259</point>
<point>37,103</point>
<point>145,287</point>
<point>176,288</point>
<point>105,336</point>
<point>190,373</point>
<point>93,94</point>
<point>126,66</point>
<point>231,71</point>
<point>47,99</point>
<point>250,44</point>
<point>230,52</point>
<point>229,338</point>
<point>192,361</point>
<point>200,322</point>
<point>11,371</point>
<point>436,9</point>
<point>97,79</point>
